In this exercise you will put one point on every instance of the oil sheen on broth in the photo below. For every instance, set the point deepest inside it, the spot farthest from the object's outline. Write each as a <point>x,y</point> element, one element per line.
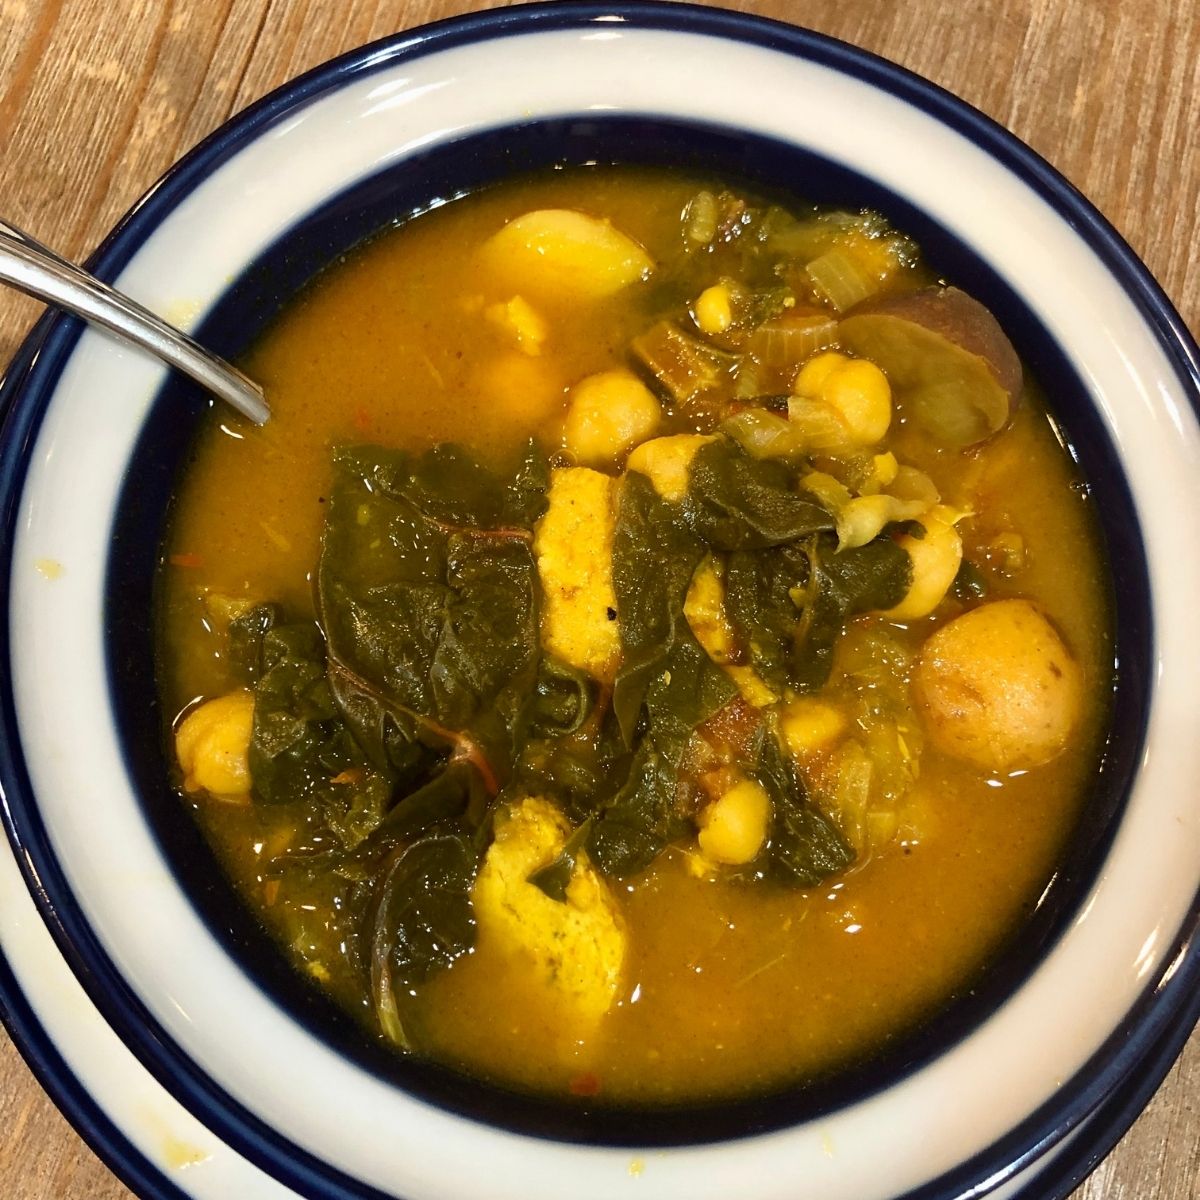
<point>850,826</point>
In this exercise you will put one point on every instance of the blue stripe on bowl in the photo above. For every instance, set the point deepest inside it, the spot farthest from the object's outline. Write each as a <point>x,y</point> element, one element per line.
<point>242,1130</point>
<point>90,1121</point>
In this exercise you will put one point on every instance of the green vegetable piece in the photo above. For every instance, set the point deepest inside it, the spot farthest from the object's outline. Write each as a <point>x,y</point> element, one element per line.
<point>759,603</point>
<point>655,554</point>
<point>554,878</point>
<point>970,583</point>
<point>841,584</point>
<point>636,825</point>
<point>736,502</point>
<point>951,367</point>
<point>423,922</point>
<point>429,607</point>
<point>563,697</point>
<point>804,846</point>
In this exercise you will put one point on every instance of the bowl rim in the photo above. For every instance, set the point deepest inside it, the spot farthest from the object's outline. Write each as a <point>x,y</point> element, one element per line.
<point>52,339</point>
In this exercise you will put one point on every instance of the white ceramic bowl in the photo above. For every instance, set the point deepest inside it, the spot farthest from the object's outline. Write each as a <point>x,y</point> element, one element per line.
<point>145,1023</point>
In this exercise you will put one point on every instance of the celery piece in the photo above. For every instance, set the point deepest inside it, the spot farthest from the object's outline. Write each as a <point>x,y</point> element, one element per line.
<point>682,365</point>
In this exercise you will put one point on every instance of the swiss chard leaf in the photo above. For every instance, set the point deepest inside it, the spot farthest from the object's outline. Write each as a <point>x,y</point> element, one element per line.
<point>563,698</point>
<point>655,554</point>
<point>736,502</point>
<point>842,584</point>
<point>423,921</point>
<point>429,606</point>
<point>427,592</point>
<point>637,823</point>
<point>789,604</point>
<point>300,751</point>
<point>759,587</point>
<point>804,846</point>
<point>554,878</point>
<point>486,654</point>
<point>450,796</point>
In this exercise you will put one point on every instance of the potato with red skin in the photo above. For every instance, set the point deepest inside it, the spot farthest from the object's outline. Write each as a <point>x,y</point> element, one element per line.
<point>951,366</point>
<point>997,687</point>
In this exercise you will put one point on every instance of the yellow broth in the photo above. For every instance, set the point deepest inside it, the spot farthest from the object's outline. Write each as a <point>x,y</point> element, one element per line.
<point>729,989</point>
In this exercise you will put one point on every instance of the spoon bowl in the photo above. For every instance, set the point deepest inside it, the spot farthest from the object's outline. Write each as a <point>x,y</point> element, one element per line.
<point>37,270</point>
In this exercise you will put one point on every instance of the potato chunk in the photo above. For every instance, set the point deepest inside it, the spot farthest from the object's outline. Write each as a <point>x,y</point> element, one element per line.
<point>997,687</point>
<point>573,547</point>
<point>562,254</point>
<point>213,745</point>
<point>609,413</point>
<point>947,357</point>
<point>575,946</point>
<point>666,461</point>
<point>704,608</point>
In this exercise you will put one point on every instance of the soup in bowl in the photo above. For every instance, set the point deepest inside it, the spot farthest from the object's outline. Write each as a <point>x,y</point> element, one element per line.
<point>625,665</point>
<point>658,696</point>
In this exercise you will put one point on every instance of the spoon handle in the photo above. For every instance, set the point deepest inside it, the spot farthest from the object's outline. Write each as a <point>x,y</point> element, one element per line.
<point>33,268</point>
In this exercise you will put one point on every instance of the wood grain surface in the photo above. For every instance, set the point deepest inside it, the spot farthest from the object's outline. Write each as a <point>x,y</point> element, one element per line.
<point>99,97</point>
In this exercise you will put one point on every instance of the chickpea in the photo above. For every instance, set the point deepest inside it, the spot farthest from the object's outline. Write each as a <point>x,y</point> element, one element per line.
<point>997,687</point>
<point>213,745</point>
<point>810,726</point>
<point>857,390</point>
<point>734,827</point>
<point>609,413</point>
<point>713,311</point>
<point>936,558</point>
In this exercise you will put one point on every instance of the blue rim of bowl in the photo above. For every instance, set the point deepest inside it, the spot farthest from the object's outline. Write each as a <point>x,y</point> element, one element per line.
<point>1171,1004</point>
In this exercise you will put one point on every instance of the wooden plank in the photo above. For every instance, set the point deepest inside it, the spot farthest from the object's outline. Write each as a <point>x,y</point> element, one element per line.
<point>97,100</point>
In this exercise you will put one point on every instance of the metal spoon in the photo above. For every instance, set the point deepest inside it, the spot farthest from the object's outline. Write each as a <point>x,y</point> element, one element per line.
<point>33,268</point>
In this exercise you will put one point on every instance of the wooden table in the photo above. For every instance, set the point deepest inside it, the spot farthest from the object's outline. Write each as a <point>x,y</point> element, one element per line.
<point>98,99</point>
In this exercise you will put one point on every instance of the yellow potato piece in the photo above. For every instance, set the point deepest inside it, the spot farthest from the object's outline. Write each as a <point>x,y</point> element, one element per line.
<point>521,321</point>
<point>212,744</point>
<point>665,461</point>
<point>997,687</point>
<point>704,608</point>
<point>561,253</point>
<point>575,947</point>
<point>734,827</point>
<point>573,547</point>
<point>608,413</point>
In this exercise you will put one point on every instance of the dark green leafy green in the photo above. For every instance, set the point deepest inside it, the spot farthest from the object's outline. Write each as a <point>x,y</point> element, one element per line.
<point>736,502</point>
<point>803,846</point>
<point>759,591</point>
<point>422,699</point>
<point>970,583</point>
<point>637,823</point>
<point>563,698</point>
<point>655,554</point>
<point>843,583</point>
<point>300,750</point>
<point>554,878</point>
<point>423,921</point>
